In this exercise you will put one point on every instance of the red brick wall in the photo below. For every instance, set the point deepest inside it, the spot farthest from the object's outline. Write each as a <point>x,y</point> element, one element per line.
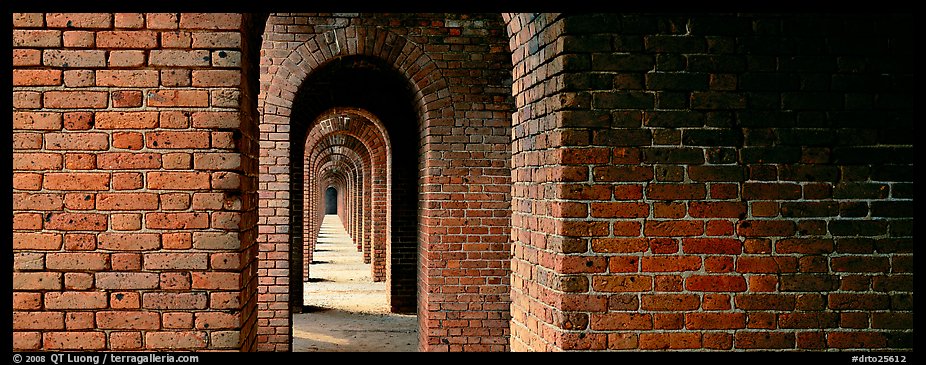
<point>716,182</point>
<point>133,160</point>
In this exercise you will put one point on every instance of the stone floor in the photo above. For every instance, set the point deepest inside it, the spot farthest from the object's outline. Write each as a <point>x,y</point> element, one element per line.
<point>345,310</point>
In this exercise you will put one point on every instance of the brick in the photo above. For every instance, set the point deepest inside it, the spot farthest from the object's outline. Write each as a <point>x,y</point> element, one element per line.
<point>128,20</point>
<point>217,320</point>
<point>670,302</point>
<point>619,210</point>
<point>670,264</point>
<point>177,320</point>
<point>37,77</point>
<point>36,38</point>
<point>216,40</point>
<point>176,261</point>
<point>127,78</point>
<point>675,191</point>
<point>210,21</point>
<point>27,100</point>
<point>76,99</point>
<point>75,300</point>
<point>32,201</point>
<point>37,120</point>
<point>178,58</point>
<point>216,280</point>
<point>127,39</point>
<point>716,283</point>
<point>845,340</point>
<point>622,283</point>
<point>673,228</point>
<point>27,19</point>
<point>178,180</point>
<point>126,261</point>
<point>78,20</point>
<point>808,320</point>
<point>177,139</point>
<point>128,140</point>
<point>38,320</point>
<point>127,99</point>
<point>174,301</point>
<point>126,120</point>
<point>844,301</point>
<point>27,57</point>
<point>26,301</point>
<point>759,264</point>
<point>765,228</point>
<point>125,300</point>
<point>226,59</point>
<point>712,246</point>
<point>621,321</point>
<point>126,280</point>
<point>176,340</point>
<point>811,283</point>
<point>127,58</point>
<point>162,20</point>
<point>77,261</point>
<point>77,181</point>
<point>128,320</point>
<point>27,181</point>
<point>79,39</point>
<point>662,341</point>
<point>37,281</point>
<point>216,161</point>
<point>207,78</point>
<point>175,281</point>
<point>215,241</point>
<point>77,222</point>
<point>764,340</point>
<point>177,201</point>
<point>77,141</point>
<point>127,180</point>
<point>711,321</point>
<point>74,340</point>
<point>125,340</point>
<point>74,58</point>
<point>804,245</point>
<point>123,160</point>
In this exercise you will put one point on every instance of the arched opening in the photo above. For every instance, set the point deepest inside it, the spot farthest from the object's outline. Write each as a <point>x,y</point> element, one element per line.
<point>331,200</point>
<point>436,221</point>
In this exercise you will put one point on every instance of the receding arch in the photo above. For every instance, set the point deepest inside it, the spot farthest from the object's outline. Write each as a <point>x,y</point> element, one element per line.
<point>432,104</point>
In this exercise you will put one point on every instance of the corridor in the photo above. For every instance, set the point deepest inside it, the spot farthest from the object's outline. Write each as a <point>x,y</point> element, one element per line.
<point>345,311</point>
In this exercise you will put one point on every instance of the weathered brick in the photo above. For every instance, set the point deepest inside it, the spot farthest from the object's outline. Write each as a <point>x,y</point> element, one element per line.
<point>178,180</point>
<point>127,78</point>
<point>75,300</point>
<point>127,39</point>
<point>174,261</point>
<point>716,283</point>
<point>74,58</point>
<point>81,340</point>
<point>78,20</point>
<point>37,77</point>
<point>37,120</point>
<point>128,320</point>
<point>176,340</point>
<point>77,261</point>
<point>178,58</point>
<point>126,280</point>
<point>174,301</point>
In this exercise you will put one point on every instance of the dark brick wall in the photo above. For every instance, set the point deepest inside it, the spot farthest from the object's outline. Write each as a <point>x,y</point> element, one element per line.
<point>721,182</point>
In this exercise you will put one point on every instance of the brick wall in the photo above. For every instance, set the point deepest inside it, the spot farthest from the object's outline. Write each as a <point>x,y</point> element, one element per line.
<point>711,182</point>
<point>133,159</point>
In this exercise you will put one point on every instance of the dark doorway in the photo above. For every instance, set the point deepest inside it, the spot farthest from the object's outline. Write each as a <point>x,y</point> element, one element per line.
<point>331,200</point>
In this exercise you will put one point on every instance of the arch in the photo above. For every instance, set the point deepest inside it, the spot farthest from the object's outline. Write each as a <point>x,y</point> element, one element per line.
<point>331,200</point>
<point>433,102</point>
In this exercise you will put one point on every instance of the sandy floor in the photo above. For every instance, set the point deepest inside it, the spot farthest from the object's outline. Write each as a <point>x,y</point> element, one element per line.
<point>346,310</point>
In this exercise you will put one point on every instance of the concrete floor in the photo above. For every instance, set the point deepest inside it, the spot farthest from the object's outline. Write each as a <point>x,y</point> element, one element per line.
<point>345,310</point>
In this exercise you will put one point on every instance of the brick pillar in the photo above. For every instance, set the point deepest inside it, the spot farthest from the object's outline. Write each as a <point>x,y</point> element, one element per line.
<point>133,150</point>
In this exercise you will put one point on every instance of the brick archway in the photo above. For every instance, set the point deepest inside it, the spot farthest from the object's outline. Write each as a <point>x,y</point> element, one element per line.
<point>434,104</point>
